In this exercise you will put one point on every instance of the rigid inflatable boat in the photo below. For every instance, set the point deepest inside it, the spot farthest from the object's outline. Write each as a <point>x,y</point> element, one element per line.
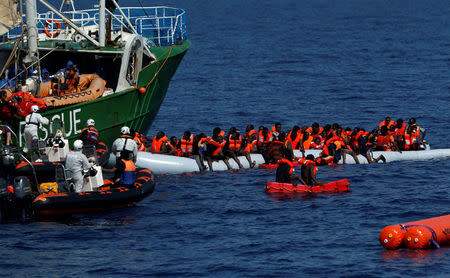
<point>289,188</point>
<point>104,198</point>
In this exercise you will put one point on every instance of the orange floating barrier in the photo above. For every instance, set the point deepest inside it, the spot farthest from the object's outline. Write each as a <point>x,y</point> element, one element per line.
<point>335,186</point>
<point>422,234</point>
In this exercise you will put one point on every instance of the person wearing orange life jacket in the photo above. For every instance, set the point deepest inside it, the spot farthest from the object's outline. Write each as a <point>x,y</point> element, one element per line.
<point>285,170</point>
<point>140,141</point>
<point>294,137</point>
<point>399,133</point>
<point>158,143</point>
<point>263,141</point>
<point>233,146</point>
<point>309,171</point>
<point>411,140</point>
<point>420,133</point>
<point>170,147</point>
<point>124,171</point>
<point>89,135</point>
<point>277,149</point>
<point>276,129</point>
<point>306,142</point>
<point>200,149</point>
<point>249,131</point>
<point>215,144</point>
<point>71,78</point>
<point>186,144</point>
<point>341,145</point>
<point>387,122</point>
<point>385,141</point>
<point>316,144</point>
<point>315,130</point>
<point>361,146</point>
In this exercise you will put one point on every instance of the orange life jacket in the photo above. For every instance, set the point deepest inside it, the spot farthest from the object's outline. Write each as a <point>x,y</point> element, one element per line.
<point>250,133</point>
<point>186,145</point>
<point>384,123</point>
<point>156,144</point>
<point>250,147</point>
<point>294,142</point>
<point>218,145</point>
<point>316,146</point>
<point>288,162</point>
<point>234,144</point>
<point>91,134</point>
<point>384,142</point>
<point>307,143</point>
<point>128,176</point>
<point>261,140</point>
<point>309,162</point>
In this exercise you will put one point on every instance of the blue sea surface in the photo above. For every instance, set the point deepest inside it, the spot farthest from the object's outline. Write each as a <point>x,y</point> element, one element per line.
<point>259,62</point>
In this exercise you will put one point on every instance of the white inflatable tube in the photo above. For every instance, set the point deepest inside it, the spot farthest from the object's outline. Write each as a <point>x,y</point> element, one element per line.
<point>169,164</point>
<point>390,156</point>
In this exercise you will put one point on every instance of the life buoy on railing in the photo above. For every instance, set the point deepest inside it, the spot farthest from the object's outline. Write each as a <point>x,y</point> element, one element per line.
<point>58,28</point>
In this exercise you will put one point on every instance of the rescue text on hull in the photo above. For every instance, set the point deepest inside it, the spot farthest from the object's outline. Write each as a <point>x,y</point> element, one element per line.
<point>168,164</point>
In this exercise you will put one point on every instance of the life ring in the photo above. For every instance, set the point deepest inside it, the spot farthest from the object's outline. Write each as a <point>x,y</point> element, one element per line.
<point>58,28</point>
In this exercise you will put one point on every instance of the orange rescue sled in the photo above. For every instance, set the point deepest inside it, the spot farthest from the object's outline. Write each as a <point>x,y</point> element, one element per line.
<point>423,234</point>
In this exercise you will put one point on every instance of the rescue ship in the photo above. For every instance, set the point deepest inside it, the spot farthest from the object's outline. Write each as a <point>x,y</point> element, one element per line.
<point>125,55</point>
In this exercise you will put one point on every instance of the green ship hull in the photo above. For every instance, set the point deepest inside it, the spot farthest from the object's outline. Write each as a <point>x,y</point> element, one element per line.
<point>129,107</point>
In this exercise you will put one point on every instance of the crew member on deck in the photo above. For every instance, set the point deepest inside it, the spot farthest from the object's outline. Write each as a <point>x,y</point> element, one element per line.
<point>89,135</point>
<point>32,123</point>
<point>125,143</point>
<point>77,164</point>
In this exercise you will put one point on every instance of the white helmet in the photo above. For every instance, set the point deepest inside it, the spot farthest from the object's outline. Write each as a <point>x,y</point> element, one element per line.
<point>125,130</point>
<point>90,122</point>
<point>34,108</point>
<point>77,145</point>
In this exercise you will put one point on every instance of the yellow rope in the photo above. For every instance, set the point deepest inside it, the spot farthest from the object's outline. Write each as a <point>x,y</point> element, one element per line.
<point>160,68</point>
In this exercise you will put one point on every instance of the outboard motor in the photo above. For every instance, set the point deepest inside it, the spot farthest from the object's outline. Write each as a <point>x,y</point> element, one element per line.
<point>23,196</point>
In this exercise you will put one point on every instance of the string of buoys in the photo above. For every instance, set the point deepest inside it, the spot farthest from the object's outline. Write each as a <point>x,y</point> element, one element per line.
<point>422,234</point>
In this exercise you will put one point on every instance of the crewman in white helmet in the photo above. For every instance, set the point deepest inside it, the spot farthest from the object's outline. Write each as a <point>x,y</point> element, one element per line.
<point>78,165</point>
<point>125,143</point>
<point>89,135</point>
<point>32,123</point>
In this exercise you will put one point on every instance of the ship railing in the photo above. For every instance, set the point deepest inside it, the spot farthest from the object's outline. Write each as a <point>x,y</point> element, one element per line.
<point>161,25</point>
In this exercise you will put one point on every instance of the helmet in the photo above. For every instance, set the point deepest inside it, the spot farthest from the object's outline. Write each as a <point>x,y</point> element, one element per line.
<point>125,130</point>
<point>90,122</point>
<point>78,145</point>
<point>34,108</point>
<point>59,133</point>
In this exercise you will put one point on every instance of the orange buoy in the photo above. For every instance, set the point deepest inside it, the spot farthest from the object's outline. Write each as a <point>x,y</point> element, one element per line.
<point>142,90</point>
<point>426,233</point>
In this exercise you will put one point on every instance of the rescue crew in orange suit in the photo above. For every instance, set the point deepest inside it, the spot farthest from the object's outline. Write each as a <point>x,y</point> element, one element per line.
<point>214,148</point>
<point>285,170</point>
<point>71,78</point>
<point>186,144</point>
<point>89,135</point>
<point>309,171</point>
<point>158,143</point>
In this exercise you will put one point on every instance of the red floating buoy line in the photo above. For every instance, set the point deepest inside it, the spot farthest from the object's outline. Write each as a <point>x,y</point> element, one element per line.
<point>423,234</point>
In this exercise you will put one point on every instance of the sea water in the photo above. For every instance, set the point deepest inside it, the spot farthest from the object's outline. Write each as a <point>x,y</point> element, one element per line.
<point>259,62</point>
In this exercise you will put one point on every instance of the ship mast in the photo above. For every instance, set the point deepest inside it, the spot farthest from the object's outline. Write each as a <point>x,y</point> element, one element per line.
<point>32,32</point>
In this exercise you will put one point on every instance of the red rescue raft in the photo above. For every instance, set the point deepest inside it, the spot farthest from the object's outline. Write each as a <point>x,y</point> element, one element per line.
<point>427,233</point>
<point>105,198</point>
<point>273,166</point>
<point>334,186</point>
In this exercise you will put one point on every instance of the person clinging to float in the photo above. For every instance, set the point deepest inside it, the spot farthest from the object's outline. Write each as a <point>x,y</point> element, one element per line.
<point>285,170</point>
<point>309,171</point>
<point>125,143</point>
<point>32,124</point>
<point>77,164</point>
<point>89,135</point>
